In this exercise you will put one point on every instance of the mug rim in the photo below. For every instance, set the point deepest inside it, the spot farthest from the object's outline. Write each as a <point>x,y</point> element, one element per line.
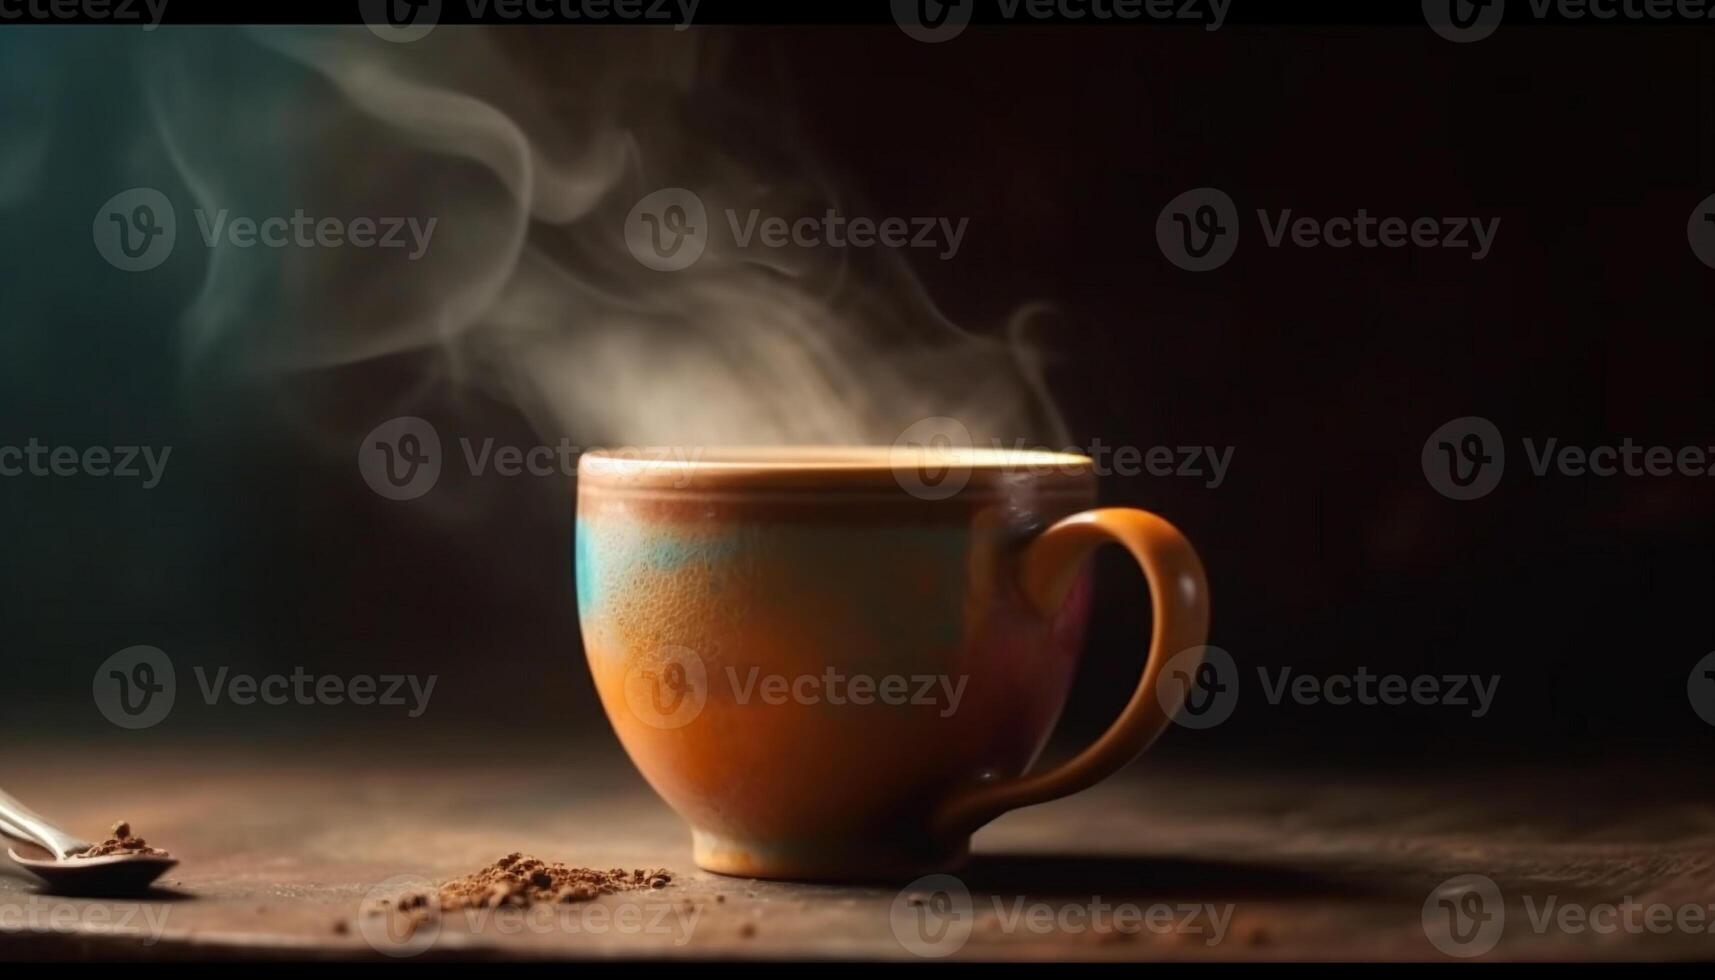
<point>831,467</point>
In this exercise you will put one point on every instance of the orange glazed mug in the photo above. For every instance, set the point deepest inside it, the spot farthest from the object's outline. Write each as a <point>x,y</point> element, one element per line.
<point>838,663</point>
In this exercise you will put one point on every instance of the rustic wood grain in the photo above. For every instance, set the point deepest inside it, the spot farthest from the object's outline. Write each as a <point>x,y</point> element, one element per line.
<point>280,849</point>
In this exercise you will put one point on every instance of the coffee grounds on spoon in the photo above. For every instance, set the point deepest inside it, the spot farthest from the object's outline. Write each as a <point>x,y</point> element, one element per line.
<point>121,843</point>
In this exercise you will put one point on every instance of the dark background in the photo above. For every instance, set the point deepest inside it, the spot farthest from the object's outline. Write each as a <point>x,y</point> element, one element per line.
<point>1325,370</point>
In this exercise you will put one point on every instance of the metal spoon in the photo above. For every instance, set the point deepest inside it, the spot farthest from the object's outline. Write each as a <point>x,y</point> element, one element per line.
<point>106,875</point>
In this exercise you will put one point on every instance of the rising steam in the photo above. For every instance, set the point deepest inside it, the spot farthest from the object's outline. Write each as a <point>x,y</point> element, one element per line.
<point>530,148</point>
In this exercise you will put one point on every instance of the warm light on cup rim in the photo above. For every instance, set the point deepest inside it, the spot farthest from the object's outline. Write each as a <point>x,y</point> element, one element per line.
<point>825,467</point>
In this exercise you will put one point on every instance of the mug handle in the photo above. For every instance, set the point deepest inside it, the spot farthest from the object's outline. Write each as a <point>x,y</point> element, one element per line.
<point>1180,593</point>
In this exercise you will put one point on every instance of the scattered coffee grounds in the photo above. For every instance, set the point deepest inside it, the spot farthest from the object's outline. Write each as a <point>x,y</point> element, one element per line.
<point>517,880</point>
<point>121,843</point>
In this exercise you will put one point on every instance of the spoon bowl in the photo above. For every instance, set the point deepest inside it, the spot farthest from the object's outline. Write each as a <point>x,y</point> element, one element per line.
<point>62,869</point>
<point>111,874</point>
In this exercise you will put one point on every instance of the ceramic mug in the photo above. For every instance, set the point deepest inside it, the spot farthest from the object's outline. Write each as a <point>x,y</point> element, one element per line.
<point>839,663</point>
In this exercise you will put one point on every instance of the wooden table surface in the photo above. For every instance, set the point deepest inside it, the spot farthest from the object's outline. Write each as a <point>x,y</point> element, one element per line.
<point>282,849</point>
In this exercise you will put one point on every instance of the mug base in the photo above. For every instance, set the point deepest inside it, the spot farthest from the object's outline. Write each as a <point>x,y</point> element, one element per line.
<point>826,861</point>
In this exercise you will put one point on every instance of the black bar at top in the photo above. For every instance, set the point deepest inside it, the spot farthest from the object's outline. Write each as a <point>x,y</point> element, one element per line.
<point>1186,14</point>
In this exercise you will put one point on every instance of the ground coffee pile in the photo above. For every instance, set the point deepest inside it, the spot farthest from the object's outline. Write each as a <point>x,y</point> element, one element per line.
<point>517,880</point>
<point>121,843</point>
